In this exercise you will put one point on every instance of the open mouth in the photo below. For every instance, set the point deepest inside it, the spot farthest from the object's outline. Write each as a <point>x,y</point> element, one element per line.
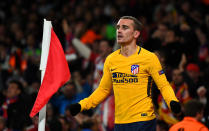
<point>119,36</point>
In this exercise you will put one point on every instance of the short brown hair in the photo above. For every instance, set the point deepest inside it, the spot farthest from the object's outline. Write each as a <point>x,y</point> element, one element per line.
<point>137,24</point>
<point>192,107</point>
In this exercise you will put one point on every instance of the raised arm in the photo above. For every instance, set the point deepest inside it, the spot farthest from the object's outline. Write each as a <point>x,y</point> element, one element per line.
<point>82,49</point>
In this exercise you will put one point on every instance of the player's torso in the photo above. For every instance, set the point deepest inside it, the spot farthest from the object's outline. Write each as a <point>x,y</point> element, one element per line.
<point>130,78</point>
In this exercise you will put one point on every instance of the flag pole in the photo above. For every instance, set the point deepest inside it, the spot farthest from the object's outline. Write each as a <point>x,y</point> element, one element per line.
<point>44,56</point>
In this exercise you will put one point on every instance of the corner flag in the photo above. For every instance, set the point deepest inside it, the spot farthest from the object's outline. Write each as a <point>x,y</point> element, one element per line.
<point>56,73</point>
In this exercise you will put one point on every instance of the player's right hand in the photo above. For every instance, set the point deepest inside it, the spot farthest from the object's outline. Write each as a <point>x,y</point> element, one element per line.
<point>75,109</point>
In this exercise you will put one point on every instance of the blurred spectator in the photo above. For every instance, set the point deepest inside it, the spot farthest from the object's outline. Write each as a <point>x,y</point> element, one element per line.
<point>88,126</point>
<point>157,37</point>
<point>192,78</point>
<point>162,126</point>
<point>31,59</point>
<point>34,126</point>
<point>1,80</point>
<point>16,106</point>
<point>87,122</point>
<point>82,85</point>
<point>106,113</point>
<point>51,119</point>
<point>182,93</point>
<point>193,111</point>
<point>180,87</point>
<point>70,94</point>
<point>3,124</point>
<point>65,125</point>
<point>96,58</point>
<point>173,49</point>
<point>204,47</point>
<point>72,123</point>
<point>66,97</point>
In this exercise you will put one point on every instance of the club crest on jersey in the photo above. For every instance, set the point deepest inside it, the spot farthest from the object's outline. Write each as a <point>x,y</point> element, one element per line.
<point>135,69</point>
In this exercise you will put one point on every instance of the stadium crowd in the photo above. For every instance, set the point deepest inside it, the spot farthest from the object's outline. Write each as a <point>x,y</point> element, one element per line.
<point>176,30</point>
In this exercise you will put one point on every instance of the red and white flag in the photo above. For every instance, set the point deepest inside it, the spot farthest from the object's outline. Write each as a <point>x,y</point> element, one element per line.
<point>56,73</point>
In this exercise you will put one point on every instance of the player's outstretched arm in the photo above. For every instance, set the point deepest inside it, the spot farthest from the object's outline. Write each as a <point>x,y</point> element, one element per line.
<point>163,85</point>
<point>104,89</point>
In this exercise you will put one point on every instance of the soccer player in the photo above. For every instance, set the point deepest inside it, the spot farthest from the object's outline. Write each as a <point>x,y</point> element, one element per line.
<point>129,72</point>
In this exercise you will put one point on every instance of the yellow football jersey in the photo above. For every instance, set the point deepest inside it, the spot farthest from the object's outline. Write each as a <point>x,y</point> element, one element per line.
<point>130,79</point>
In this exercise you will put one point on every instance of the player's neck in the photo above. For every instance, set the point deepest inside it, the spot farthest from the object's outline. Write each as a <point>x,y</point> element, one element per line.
<point>128,49</point>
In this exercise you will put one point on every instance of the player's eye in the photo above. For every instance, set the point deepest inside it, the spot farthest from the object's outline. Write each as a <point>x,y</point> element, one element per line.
<point>125,27</point>
<point>117,27</point>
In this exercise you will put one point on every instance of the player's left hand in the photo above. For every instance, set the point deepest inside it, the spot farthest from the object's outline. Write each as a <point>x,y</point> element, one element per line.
<point>175,107</point>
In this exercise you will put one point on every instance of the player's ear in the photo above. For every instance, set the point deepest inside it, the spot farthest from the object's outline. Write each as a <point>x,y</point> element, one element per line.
<point>136,33</point>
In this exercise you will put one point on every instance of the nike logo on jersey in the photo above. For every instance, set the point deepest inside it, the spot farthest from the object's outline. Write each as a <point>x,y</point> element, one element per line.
<point>113,69</point>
